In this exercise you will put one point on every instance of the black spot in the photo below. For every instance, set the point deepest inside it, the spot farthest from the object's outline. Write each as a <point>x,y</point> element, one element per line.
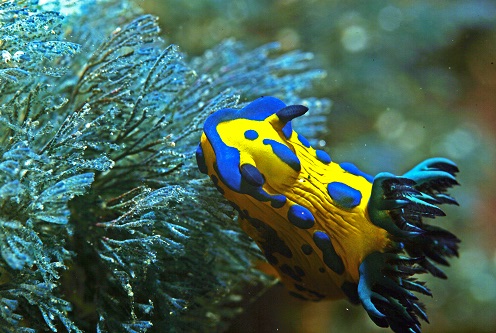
<point>299,287</point>
<point>233,205</point>
<point>322,269</point>
<point>330,257</point>
<point>241,213</point>
<point>271,242</point>
<point>310,291</point>
<point>350,289</point>
<point>286,269</point>
<point>269,256</point>
<point>292,293</point>
<point>215,180</point>
<point>307,249</point>
<point>299,271</point>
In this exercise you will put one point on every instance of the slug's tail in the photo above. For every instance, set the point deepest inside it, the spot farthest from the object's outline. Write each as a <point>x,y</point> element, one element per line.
<point>399,205</point>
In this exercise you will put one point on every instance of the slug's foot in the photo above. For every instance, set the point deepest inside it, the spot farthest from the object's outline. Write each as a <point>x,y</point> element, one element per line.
<point>398,204</point>
<point>385,291</point>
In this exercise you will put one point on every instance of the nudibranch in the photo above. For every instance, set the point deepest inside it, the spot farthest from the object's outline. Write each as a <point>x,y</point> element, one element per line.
<point>328,229</point>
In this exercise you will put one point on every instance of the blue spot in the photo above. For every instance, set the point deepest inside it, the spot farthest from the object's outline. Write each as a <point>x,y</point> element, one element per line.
<point>300,217</point>
<point>343,195</point>
<point>323,156</point>
<point>251,134</point>
<point>278,200</point>
<point>351,168</point>
<point>251,174</point>
<point>284,153</point>
<point>303,141</point>
<point>200,160</point>
<point>287,130</point>
<point>307,249</point>
<point>329,255</point>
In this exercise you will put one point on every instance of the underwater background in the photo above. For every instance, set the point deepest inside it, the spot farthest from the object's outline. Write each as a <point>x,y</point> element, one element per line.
<point>407,80</point>
<point>106,223</point>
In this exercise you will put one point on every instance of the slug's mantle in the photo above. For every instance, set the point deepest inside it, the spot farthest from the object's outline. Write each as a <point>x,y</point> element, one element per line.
<point>330,230</point>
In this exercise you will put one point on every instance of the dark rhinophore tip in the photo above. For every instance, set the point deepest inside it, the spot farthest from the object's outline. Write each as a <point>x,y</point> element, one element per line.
<point>290,112</point>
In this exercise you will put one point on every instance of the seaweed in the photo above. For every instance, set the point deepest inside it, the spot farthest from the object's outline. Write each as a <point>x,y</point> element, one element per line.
<point>105,223</point>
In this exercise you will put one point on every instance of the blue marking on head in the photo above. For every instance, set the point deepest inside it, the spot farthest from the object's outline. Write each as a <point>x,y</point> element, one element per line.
<point>260,108</point>
<point>252,175</point>
<point>303,140</point>
<point>301,217</point>
<point>329,255</point>
<point>284,153</point>
<point>251,134</point>
<point>351,168</point>
<point>343,195</point>
<point>323,156</point>
<point>228,158</point>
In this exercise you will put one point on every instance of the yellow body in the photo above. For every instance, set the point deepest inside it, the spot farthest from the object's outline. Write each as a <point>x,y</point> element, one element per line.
<point>352,234</point>
<point>328,229</point>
